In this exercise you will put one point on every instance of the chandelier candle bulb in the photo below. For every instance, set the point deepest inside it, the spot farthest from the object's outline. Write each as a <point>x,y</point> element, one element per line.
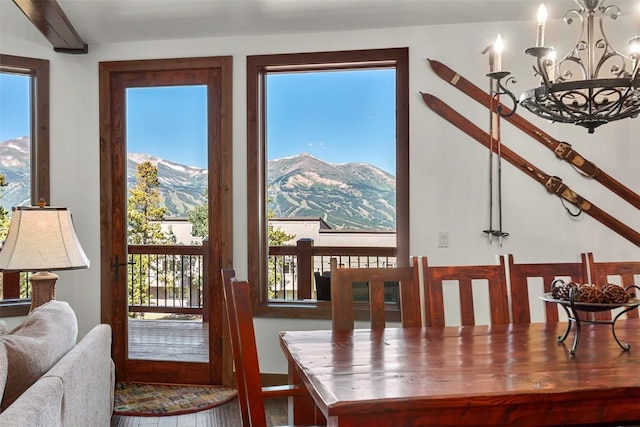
<point>498,47</point>
<point>542,19</point>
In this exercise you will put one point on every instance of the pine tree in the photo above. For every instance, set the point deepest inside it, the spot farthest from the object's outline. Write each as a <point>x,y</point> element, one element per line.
<point>199,218</point>
<point>145,210</point>
<point>144,214</point>
<point>4,215</point>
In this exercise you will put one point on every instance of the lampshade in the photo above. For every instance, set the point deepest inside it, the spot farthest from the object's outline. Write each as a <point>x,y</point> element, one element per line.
<point>42,238</point>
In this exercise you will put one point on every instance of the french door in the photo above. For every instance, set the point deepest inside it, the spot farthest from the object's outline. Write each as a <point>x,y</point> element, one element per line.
<point>146,347</point>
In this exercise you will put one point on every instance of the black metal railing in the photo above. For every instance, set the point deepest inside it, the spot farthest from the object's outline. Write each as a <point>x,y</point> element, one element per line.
<point>166,279</point>
<point>170,279</point>
<point>291,268</point>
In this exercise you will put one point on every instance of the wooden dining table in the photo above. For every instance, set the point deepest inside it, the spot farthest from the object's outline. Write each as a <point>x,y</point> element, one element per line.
<point>515,375</point>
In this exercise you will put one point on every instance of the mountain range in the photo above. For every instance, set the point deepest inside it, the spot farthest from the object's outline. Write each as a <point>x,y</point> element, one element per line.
<point>15,165</point>
<point>344,195</point>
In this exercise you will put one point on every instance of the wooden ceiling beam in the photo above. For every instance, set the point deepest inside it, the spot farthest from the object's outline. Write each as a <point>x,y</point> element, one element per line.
<point>52,22</point>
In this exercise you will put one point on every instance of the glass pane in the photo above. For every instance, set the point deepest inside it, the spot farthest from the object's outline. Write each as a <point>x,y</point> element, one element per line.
<point>167,205</point>
<point>331,151</point>
<point>15,139</point>
<point>15,164</point>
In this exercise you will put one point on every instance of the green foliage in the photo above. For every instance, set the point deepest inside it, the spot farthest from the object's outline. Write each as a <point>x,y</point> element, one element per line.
<point>199,218</point>
<point>4,215</point>
<point>276,237</point>
<point>145,210</point>
<point>144,213</point>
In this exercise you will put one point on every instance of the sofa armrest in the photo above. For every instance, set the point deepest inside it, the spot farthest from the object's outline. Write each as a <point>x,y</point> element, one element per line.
<point>39,406</point>
<point>88,377</point>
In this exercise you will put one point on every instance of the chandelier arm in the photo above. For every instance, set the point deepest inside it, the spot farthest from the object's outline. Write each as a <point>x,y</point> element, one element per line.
<point>593,84</point>
<point>502,90</point>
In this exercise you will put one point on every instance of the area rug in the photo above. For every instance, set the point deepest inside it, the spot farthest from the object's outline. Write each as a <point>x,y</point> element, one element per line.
<point>156,400</point>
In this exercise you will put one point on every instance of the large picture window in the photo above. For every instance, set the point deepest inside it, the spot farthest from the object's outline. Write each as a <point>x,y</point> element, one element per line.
<point>327,169</point>
<point>24,159</point>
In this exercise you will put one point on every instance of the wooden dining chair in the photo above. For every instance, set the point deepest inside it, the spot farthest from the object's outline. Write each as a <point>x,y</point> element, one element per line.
<point>251,393</point>
<point>343,306</point>
<point>519,275</point>
<point>466,277</point>
<point>616,272</point>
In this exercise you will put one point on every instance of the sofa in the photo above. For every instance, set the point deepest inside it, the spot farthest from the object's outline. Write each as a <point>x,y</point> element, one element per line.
<point>49,380</point>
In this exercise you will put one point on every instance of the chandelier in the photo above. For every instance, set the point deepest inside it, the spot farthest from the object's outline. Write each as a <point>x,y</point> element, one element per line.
<point>594,83</point>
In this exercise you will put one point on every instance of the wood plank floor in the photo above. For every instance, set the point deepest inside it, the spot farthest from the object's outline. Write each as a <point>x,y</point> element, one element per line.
<point>172,340</point>
<point>226,415</point>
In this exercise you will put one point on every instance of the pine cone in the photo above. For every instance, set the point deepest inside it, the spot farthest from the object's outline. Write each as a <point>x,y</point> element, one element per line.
<point>590,294</point>
<point>561,289</point>
<point>614,294</point>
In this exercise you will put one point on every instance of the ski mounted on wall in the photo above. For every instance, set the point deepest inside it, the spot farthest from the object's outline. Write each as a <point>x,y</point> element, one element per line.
<point>562,150</point>
<point>553,184</point>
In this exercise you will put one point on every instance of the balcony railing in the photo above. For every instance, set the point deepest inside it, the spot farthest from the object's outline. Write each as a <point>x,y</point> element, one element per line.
<point>170,279</point>
<point>291,268</point>
<point>166,279</point>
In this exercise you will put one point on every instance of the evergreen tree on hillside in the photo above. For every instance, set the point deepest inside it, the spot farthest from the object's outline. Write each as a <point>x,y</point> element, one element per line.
<point>145,210</point>
<point>199,218</point>
<point>4,215</point>
<point>144,213</point>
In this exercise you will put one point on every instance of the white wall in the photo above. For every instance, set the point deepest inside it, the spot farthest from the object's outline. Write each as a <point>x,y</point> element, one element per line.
<point>449,171</point>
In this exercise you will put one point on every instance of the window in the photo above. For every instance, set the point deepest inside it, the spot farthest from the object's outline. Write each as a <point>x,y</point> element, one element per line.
<point>266,72</point>
<point>32,75</point>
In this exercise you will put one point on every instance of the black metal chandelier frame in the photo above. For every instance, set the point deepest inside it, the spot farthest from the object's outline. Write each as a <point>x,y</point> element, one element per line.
<point>583,88</point>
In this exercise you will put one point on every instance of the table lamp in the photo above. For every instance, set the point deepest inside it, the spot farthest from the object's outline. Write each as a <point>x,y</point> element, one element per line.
<point>42,239</point>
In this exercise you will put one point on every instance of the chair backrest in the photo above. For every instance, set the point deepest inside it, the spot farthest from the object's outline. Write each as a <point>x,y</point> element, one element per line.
<point>623,273</point>
<point>465,276</point>
<point>548,272</point>
<point>342,295</point>
<point>245,354</point>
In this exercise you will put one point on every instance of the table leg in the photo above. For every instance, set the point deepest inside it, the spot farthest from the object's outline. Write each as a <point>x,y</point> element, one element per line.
<point>301,409</point>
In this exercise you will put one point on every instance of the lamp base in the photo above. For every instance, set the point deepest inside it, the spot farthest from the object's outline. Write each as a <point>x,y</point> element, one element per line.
<point>43,288</point>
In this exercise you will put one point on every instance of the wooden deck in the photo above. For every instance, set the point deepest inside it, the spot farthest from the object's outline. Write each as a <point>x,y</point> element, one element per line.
<point>173,340</point>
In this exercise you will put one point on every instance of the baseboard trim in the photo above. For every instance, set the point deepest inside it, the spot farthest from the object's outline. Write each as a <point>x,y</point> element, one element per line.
<point>274,379</point>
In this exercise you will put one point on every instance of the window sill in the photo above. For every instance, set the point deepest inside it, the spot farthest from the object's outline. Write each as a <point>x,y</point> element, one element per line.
<point>313,309</point>
<point>14,307</point>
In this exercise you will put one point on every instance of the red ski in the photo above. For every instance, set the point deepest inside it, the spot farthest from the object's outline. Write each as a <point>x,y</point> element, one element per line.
<point>562,149</point>
<point>553,184</point>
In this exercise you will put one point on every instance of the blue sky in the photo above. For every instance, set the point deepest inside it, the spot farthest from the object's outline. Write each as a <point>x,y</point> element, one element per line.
<point>169,122</point>
<point>341,116</point>
<point>14,106</point>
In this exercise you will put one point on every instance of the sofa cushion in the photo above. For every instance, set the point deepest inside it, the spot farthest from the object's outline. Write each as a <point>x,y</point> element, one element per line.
<point>3,370</point>
<point>33,347</point>
<point>88,377</point>
<point>40,405</point>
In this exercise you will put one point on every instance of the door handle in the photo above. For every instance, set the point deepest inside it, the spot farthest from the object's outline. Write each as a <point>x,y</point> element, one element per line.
<point>116,266</point>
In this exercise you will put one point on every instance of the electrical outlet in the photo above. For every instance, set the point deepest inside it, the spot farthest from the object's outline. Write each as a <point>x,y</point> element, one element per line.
<point>443,239</point>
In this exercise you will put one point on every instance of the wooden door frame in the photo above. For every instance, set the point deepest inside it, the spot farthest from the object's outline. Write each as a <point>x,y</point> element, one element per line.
<point>220,207</point>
